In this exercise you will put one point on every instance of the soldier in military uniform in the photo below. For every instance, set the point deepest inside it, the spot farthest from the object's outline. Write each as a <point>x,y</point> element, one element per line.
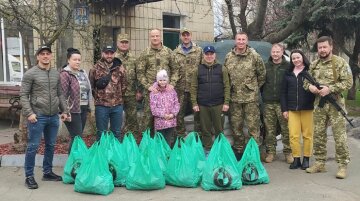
<point>334,75</point>
<point>188,55</point>
<point>247,75</point>
<point>275,70</point>
<point>128,61</point>
<point>154,58</point>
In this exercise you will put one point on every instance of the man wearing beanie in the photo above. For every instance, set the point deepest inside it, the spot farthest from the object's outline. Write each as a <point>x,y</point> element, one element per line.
<point>210,96</point>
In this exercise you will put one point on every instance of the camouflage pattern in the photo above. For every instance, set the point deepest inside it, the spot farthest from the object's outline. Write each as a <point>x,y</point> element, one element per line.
<point>131,121</point>
<point>129,62</point>
<point>251,114</point>
<point>149,63</point>
<point>273,115</point>
<point>189,62</point>
<point>247,75</point>
<point>323,73</point>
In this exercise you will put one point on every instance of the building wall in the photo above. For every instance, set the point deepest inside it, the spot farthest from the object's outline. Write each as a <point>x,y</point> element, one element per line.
<point>138,20</point>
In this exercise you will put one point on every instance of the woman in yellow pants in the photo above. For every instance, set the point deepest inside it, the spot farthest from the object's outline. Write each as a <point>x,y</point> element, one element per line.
<point>297,106</point>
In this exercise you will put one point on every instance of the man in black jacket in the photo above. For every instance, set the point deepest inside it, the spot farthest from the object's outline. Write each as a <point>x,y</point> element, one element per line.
<point>210,95</point>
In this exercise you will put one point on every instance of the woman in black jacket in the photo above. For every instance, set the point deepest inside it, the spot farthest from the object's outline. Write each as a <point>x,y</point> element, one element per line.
<point>297,106</point>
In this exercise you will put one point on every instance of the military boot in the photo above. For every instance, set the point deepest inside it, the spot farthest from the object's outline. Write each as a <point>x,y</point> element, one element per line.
<point>269,158</point>
<point>341,174</point>
<point>289,158</point>
<point>316,168</point>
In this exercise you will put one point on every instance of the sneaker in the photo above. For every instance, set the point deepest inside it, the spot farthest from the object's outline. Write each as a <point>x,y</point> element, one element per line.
<point>31,183</point>
<point>51,177</point>
<point>316,168</point>
<point>269,158</point>
<point>341,174</point>
<point>289,158</point>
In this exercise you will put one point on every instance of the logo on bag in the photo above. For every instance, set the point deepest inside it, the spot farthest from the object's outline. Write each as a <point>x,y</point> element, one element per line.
<point>222,178</point>
<point>112,170</point>
<point>250,173</point>
<point>75,167</point>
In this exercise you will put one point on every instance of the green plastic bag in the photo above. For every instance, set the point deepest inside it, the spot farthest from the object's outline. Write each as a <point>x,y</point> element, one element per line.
<point>94,176</point>
<point>78,151</point>
<point>220,171</point>
<point>131,148</point>
<point>182,168</point>
<point>145,173</point>
<point>116,156</point>
<point>250,167</point>
<point>162,150</point>
<point>194,142</point>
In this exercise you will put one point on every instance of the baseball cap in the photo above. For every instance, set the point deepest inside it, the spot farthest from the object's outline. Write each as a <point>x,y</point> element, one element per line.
<point>42,48</point>
<point>123,37</point>
<point>185,30</point>
<point>209,49</point>
<point>108,48</point>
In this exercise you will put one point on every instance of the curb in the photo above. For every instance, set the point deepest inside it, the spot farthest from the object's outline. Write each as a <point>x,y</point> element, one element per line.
<point>19,159</point>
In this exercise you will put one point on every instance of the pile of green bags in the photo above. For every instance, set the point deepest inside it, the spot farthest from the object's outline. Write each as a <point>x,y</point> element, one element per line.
<point>149,166</point>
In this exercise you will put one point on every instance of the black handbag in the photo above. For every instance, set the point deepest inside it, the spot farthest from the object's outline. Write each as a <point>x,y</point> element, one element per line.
<point>102,82</point>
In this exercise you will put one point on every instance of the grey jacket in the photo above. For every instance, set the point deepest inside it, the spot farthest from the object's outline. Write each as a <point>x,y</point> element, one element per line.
<point>41,92</point>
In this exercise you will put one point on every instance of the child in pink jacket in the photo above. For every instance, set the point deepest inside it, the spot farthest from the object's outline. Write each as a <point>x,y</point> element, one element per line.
<point>164,105</point>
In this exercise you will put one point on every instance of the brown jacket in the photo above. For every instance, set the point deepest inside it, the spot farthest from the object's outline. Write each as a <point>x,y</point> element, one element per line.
<point>113,93</point>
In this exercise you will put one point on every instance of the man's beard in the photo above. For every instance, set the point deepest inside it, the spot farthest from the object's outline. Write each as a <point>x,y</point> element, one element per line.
<point>107,61</point>
<point>324,57</point>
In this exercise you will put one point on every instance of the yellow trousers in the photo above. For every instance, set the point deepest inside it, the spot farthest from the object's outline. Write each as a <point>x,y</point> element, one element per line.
<point>301,122</point>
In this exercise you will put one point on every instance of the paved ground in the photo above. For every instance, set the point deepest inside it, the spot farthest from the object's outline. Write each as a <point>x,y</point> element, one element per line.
<point>285,184</point>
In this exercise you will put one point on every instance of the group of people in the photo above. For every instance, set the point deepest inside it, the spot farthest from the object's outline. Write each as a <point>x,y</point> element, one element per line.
<point>171,82</point>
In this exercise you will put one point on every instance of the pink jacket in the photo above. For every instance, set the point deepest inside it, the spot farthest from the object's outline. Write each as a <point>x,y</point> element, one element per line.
<point>161,103</point>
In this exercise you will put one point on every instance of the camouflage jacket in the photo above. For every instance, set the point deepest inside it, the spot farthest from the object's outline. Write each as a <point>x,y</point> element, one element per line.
<point>129,62</point>
<point>113,93</point>
<point>247,74</point>
<point>337,80</point>
<point>188,63</point>
<point>151,61</point>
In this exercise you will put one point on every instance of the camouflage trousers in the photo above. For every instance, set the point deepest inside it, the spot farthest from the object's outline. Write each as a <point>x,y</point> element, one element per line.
<point>131,118</point>
<point>250,113</point>
<point>323,117</point>
<point>185,105</point>
<point>147,121</point>
<point>273,117</point>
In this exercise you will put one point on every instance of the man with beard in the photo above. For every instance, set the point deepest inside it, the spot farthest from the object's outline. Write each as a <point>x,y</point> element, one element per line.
<point>334,75</point>
<point>108,82</point>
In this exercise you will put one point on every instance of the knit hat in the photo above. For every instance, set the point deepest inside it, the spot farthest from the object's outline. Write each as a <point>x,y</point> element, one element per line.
<point>162,75</point>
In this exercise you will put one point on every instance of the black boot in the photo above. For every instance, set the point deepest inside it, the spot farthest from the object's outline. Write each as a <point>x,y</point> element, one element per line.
<point>296,164</point>
<point>305,163</point>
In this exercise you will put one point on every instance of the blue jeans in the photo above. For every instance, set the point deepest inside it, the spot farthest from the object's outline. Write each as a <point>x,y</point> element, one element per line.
<point>49,125</point>
<point>102,116</point>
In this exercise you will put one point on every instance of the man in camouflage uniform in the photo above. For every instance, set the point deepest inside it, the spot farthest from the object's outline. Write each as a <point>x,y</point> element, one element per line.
<point>334,75</point>
<point>188,55</point>
<point>247,75</point>
<point>271,90</point>
<point>128,61</point>
<point>154,58</point>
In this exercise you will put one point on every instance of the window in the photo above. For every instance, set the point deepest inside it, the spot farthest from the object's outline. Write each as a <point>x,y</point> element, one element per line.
<point>11,56</point>
<point>171,27</point>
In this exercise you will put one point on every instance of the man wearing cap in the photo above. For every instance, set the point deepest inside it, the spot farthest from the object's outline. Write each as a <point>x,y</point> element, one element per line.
<point>210,96</point>
<point>188,55</point>
<point>129,62</point>
<point>247,76</point>
<point>108,97</point>
<point>154,58</point>
<point>41,99</point>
